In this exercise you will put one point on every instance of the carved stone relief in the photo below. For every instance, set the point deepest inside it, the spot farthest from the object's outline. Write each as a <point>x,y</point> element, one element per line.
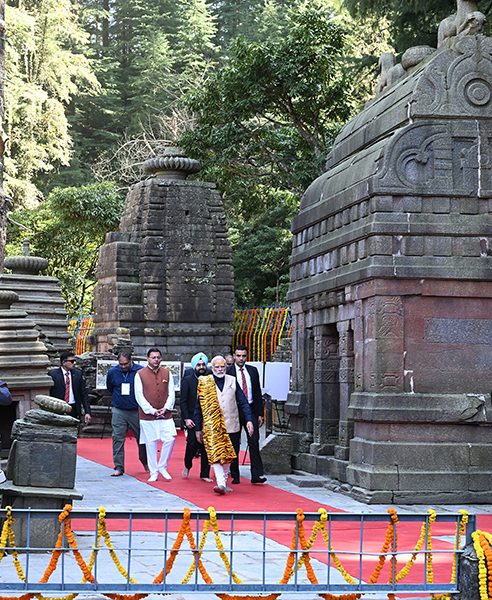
<point>460,87</point>
<point>441,158</point>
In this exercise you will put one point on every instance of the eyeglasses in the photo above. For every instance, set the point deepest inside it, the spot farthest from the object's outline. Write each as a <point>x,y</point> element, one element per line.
<point>72,360</point>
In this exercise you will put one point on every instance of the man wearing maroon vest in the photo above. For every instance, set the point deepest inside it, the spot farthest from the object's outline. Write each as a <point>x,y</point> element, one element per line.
<point>154,392</point>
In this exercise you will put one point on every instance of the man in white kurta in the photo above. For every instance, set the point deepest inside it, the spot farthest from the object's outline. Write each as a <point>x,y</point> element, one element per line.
<point>154,392</point>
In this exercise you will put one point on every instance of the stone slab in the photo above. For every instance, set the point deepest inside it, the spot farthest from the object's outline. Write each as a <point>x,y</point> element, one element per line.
<point>306,480</point>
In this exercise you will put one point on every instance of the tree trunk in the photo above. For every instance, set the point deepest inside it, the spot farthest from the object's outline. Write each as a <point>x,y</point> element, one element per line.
<point>3,199</point>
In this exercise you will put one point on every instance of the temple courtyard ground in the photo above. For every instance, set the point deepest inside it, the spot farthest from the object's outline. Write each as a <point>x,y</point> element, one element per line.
<point>133,491</point>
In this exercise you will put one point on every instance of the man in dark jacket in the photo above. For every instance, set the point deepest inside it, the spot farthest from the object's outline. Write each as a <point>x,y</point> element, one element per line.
<point>5,400</point>
<point>69,385</point>
<point>249,381</point>
<point>120,381</point>
<point>187,402</point>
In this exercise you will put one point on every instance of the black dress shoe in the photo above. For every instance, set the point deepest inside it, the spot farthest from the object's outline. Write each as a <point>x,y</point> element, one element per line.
<point>235,481</point>
<point>258,480</point>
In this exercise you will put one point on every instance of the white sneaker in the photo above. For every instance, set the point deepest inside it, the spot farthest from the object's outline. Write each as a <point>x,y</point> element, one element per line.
<point>165,474</point>
<point>2,476</point>
<point>153,477</point>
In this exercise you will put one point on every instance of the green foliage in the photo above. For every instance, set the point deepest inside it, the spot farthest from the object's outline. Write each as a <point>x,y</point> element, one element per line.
<point>261,249</point>
<point>268,84</point>
<point>411,23</point>
<point>269,116</point>
<point>67,229</point>
<point>265,122</point>
<point>44,68</point>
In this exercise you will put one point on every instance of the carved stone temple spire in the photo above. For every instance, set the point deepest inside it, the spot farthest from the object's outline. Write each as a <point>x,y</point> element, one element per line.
<point>165,278</point>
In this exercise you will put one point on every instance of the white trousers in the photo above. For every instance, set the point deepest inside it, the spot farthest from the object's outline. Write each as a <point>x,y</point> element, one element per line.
<point>221,473</point>
<point>166,449</point>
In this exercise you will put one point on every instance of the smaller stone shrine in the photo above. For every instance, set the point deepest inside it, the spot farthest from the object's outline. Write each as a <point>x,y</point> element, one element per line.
<point>166,279</point>
<point>23,362</point>
<point>41,468</point>
<point>40,296</point>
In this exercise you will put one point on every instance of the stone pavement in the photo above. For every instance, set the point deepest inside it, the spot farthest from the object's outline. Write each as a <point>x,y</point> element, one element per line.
<point>121,493</point>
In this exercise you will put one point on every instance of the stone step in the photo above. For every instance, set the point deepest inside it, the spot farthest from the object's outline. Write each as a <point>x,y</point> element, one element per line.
<point>303,479</point>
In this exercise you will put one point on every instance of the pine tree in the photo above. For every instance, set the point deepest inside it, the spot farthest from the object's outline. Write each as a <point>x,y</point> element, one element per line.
<point>411,23</point>
<point>45,67</point>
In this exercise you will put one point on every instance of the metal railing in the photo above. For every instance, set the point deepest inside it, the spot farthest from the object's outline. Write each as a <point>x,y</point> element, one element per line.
<point>245,552</point>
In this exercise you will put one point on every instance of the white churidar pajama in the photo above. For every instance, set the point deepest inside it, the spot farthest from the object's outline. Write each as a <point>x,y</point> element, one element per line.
<point>221,473</point>
<point>160,429</point>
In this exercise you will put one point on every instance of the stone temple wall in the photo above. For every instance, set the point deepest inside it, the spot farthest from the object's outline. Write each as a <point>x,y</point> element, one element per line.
<point>391,291</point>
<point>165,279</point>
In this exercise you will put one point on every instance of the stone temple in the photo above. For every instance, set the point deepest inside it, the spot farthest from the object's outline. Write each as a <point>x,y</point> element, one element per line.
<point>391,289</point>
<point>165,278</point>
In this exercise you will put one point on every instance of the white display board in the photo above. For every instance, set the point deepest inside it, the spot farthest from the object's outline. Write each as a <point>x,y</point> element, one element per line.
<point>261,371</point>
<point>103,367</point>
<point>175,369</point>
<point>277,379</point>
<point>274,378</point>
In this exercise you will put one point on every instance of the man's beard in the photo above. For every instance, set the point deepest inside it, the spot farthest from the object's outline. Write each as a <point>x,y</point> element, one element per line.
<point>219,375</point>
<point>201,371</point>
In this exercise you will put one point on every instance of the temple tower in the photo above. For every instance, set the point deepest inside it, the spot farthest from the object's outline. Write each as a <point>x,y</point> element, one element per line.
<point>40,296</point>
<point>165,278</point>
<point>391,289</point>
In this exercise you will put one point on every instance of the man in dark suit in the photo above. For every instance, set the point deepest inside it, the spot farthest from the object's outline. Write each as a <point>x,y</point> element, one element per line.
<point>187,402</point>
<point>249,381</point>
<point>69,385</point>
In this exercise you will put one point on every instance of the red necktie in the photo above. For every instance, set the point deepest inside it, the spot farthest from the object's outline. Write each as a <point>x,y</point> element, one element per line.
<point>67,388</point>
<point>244,385</point>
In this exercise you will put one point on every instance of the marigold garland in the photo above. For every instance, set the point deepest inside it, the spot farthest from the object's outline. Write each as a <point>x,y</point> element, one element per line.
<point>102,531</point>
<point>342,597</point>
<point>488,558</point>
<point>482,543</point>
<point>197,555</point>
<point>460,531</point>
<point>388,540</point>
<point>334,557</point>
<point>229,597</point>
<point>394,544</point>
<point>300,535</point>
<point>428,568</point>
<point>218,541</point>
<point>8,534</point>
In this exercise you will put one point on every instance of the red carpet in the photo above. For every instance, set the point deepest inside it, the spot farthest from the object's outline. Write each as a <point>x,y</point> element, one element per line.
<point>263,497</point>
<point>246,496</point>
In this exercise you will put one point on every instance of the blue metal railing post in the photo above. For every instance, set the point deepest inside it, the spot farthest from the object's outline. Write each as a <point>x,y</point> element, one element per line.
<point>28,544</point>
<point>471,526</point>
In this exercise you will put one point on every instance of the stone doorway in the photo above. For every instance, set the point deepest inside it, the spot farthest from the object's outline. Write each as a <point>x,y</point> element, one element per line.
<point>323,406</point>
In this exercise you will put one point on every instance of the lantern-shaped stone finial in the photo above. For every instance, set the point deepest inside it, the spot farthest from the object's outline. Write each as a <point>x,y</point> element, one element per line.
<point>172,164</point>
<point>25,264</point>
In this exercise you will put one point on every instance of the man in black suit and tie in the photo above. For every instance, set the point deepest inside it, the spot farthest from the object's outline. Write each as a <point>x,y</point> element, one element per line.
<point>249,381</point>
<point>187,401</point>
<point>69,385</point>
